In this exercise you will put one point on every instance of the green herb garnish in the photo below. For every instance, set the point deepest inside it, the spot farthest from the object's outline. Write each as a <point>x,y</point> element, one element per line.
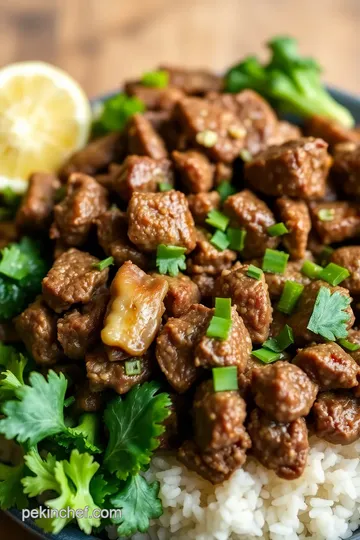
<point>220,240</point>
<point>254,272</point>
<point>278,229</point>
<point>329,317</point>
<point>170,259</point>
<point>105,263</point>
<point>156,79</point>
<point>275,261</point>
<point>236,238</point>
<point>217,219</point>
<point>334,274</point>
<point>225,378</point>
<point>290,296</point>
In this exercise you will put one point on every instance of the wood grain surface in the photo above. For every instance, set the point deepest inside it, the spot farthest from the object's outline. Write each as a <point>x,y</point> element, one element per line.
<point>103,42</point>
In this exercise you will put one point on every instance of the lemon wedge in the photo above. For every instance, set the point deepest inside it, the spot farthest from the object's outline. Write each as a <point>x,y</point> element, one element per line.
<point>44,117</point>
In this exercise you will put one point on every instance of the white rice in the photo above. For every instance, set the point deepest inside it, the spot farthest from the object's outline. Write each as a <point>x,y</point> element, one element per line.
<point>324,504</point>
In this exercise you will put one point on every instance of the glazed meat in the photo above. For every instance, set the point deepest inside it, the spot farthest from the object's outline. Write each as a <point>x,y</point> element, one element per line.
<point>332,132</point>
<point>158,99</point>
<point>349,257</point>
<point>206,258</point>
<point>295,215</point>
<point>337,417</point>
<point>35,211</point>
<point>87,400</point>
<point>336,221</point>
<point>346,167</point>
<point>276,282</point>
<point>200,204</point>
<point>205,284</point>
<point>182,293</point>
<point>192,81</point>
<point>195,170</point>
<point>143,139</point>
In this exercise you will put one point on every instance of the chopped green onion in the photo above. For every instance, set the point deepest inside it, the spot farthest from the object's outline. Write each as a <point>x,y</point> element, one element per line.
<point>236,238</point>
<point>207,138</point>
<point>266,356</point>
<point>325,255</point>
<point>326,214</point>
<point>225,378</point>
<point>334,274</point>
<point>311,270</point>
<point>275,261</point>
<point>218,220</point>
<point>289,297</point>
<point>170,259</point>
<point>348,345</point>
<point>254,272</point>
<point>278,229</point>
<point>219,328</point>
<point>156,79</point>
<point>245,155</point>
<point>133,367</point>
<point>60,194</point>
<point>220,240</point>
<point>225,189</point>
<point>282,341</point>
<point>223,308</point>
<point>69,401</point>
<point>101,265</point>
<point>164,186</point>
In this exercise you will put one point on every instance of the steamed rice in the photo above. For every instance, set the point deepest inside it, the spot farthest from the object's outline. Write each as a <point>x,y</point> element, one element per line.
<point>254,503</point>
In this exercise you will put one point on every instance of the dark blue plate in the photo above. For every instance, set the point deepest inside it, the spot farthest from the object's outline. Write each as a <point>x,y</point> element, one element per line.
<point>353,104</point>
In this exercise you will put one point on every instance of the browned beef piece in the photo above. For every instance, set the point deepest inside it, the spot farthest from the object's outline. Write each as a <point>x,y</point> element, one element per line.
<point>332,132</point>
<point>295,215</point>
<point>206,285</point>
<point>233,351</point>
<point>72,280</point>
<point>8,233</point>
<point>182,293</point>
<point>278,323</point>
<point>297,168</point>
<point>206,258</point>
<point>143,140</point>
<point>112,236</point>
<point>218,417</point>
<point>196,171</point>
<point>36,208</point>
<point>284,132</point>
<point>354,337</point>
<point>256,115</point>
<point>159,120</point>
<point>245,378</point>
<point>223,173</point>
<point>73,217</point>
<point>276,282</point>
<point>211,127</point>
<point>328,365</point>
<point>87,400</point>
<point>218,465</point>
<point>36,326</point>
<point>349,258</point>
<point>160,218</point>
<point>193,81</point>
<point>80,328</point>
<point>282,448</point>
<point>104,374</point>
<point>176,343</point>
<point>283,391</point>
<point>251,298</point>
<point>200,204</point>
<point>249,212</point>
<point>346,167</point>
<point>299,319</point>
<point>344,222</point>
<point>96,155</point>
<point>336,417</point>
<point>158,99</point>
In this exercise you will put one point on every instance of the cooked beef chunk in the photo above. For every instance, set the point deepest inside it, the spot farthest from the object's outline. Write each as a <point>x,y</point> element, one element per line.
<point>193,81</point>
<point>336,417</point>
<point>233,351</point>
<point>36,327</point>
<point>295,215</point>
<point>96,155</point>
<point>296,168</point>
<point>134,313</point>
<point>283,391</point>
<point>200,204</point>
<point>182,293</point>
<point>196,171</point>
<point>206,258</point>
<point>112,236</point>
<point>256,115</point>
<point>282,448</point>
<point>212,128</point>
<point>72,280</point>
<point>8,233</point>
<point>276,282</point>
<point>87,400</point>
<point>346,167</point>
<point>349,258</point>
<point>35,211</point>
<point>249,212</point>
<point>160,218</point>
<point>343,221</point>
<point>328,365</point>
<point>206,285</point>
<point>79,328</point>
<point>284,132</point>
<point>251,298</point>
<point>139,173</point>
<point>176,343</point>
<point>299,319</point>
<point>158,99</point>
<point>143,139</point>
<point>223,173</point>
<point>218,465</point>
<point>354,337</point>
<point>245,378</point>
<point>332,132</point>
<point>218,417</point>
<point>85,201</point>
<point>105,374</point>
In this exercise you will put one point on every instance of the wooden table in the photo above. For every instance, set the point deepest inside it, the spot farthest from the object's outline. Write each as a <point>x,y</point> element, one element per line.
<point>102,42</point>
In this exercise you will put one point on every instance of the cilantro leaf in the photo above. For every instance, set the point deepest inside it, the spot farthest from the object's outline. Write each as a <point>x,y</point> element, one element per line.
<point>329,318</point>
<point>13,377</point>
<point>102,488</point>
<point>11,492</point>
<point>83,437</point>
<point>139,503</point>
<point>44,471</point>
<point>134,425</point>
<point>14,262</point>
<point>170,259</point>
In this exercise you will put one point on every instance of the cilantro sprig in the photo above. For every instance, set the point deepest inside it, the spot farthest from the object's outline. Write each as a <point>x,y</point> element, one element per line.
<point>329,317</point>
<point>170,259</point>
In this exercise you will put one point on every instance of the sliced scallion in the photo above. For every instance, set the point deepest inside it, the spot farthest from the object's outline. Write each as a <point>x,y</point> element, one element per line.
<point>348,345</point>
<point>219,328</point>
<point>311,269</point>
<point>219,240</point>
<point>225,378</point>
<point>282,341</point>
<point>225,189</point>
<point>266,356</point>
<point>101,265</point>
<point>133,367</point>
<point>218,220</point>
<point>289,297</point>
<point>275,261</point>
<point>334,274</point>
<point>236,238</point>
<point>326,214</point>
<point>254,272</point>
<point>164,186</point>
<point>278,229</point>
<point>223,308</point>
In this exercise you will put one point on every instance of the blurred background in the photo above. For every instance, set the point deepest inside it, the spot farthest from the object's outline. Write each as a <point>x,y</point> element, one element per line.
<point>102,42</point>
